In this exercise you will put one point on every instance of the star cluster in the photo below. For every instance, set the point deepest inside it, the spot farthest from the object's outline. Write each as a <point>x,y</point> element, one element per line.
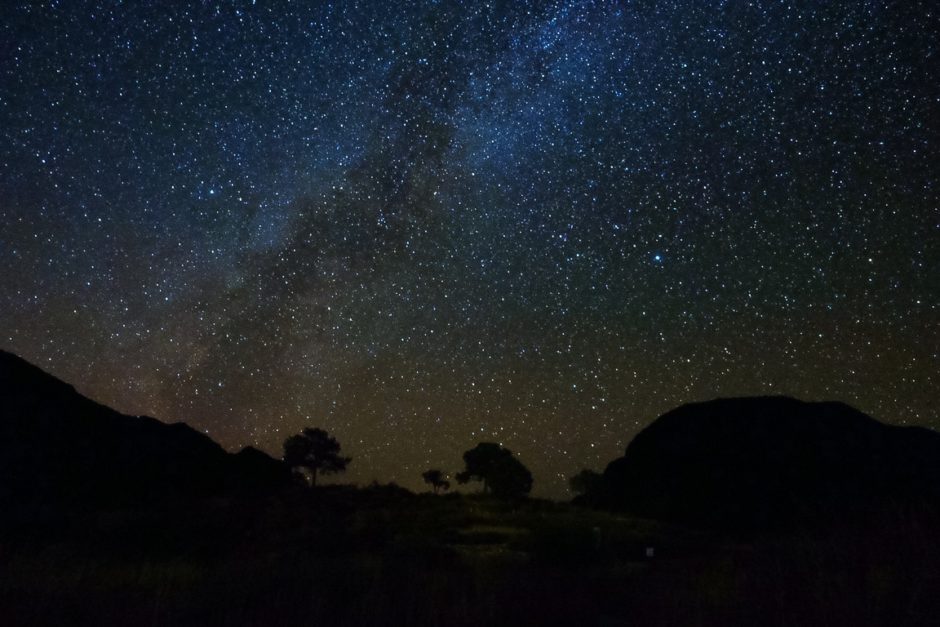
<point>421,225</point>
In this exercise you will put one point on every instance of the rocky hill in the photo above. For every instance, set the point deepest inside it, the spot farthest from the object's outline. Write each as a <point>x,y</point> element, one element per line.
<point>58,447</point>
<point>771,462</point>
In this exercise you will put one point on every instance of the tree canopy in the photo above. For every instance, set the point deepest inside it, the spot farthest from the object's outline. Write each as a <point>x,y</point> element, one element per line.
<point>501,473</point>
<point>436,479</point>
<point>315,451</point>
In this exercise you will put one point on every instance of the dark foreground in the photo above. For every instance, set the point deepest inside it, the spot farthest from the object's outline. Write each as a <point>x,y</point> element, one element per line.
<point>381,556</point>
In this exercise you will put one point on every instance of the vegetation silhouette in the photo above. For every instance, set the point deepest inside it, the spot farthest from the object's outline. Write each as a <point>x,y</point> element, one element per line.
<point>586,482</point>
<point>498,469</point>
<point>436,479</point>
<point>315,451</point>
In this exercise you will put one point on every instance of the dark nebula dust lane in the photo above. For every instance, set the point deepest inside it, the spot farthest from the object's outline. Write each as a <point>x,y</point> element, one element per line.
<point>428,224</point>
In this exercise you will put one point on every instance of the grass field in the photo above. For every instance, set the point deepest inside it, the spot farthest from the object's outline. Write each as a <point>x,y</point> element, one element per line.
<point>380,556</point>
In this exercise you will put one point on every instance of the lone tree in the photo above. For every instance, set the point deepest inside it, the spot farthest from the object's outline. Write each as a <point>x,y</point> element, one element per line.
<point>501,473</point>
<point>435,478</point>
<point>315,451</point>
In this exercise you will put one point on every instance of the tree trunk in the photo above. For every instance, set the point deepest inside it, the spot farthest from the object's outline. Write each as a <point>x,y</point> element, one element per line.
<point>313,477</point>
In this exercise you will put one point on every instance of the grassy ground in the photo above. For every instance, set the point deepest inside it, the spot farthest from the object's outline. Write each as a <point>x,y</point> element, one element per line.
<point>382,557</point>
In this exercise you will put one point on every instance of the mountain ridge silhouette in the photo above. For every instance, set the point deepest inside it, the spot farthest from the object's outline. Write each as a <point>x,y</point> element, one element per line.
<point>59,447</point>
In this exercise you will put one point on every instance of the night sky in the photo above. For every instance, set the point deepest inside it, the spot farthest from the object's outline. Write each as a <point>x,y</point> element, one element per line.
<point>428,224</point>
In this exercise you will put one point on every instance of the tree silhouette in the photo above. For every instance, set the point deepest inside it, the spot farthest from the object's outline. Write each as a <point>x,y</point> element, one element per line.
<point>501,473</point>
<point>436,480</point>
<point>316,451</point>
<point>586,482</point>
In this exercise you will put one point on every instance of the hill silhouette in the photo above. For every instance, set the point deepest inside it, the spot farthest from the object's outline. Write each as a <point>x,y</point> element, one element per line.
<point>769,463</point>
<point>58,447</point>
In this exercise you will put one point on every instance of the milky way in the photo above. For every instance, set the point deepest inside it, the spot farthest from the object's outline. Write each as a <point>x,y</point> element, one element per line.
<point>427,225</point>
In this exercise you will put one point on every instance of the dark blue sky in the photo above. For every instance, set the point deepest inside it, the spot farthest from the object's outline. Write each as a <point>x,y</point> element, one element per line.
<point>424,225</point>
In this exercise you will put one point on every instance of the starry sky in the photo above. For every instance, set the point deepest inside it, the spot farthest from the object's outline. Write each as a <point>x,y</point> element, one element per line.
<point>421,225</point>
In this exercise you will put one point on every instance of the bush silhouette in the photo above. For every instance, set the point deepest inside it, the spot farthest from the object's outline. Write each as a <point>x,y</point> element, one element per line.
<point>315,451</point>
<point>586,482</point>
<point>501,473</point>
